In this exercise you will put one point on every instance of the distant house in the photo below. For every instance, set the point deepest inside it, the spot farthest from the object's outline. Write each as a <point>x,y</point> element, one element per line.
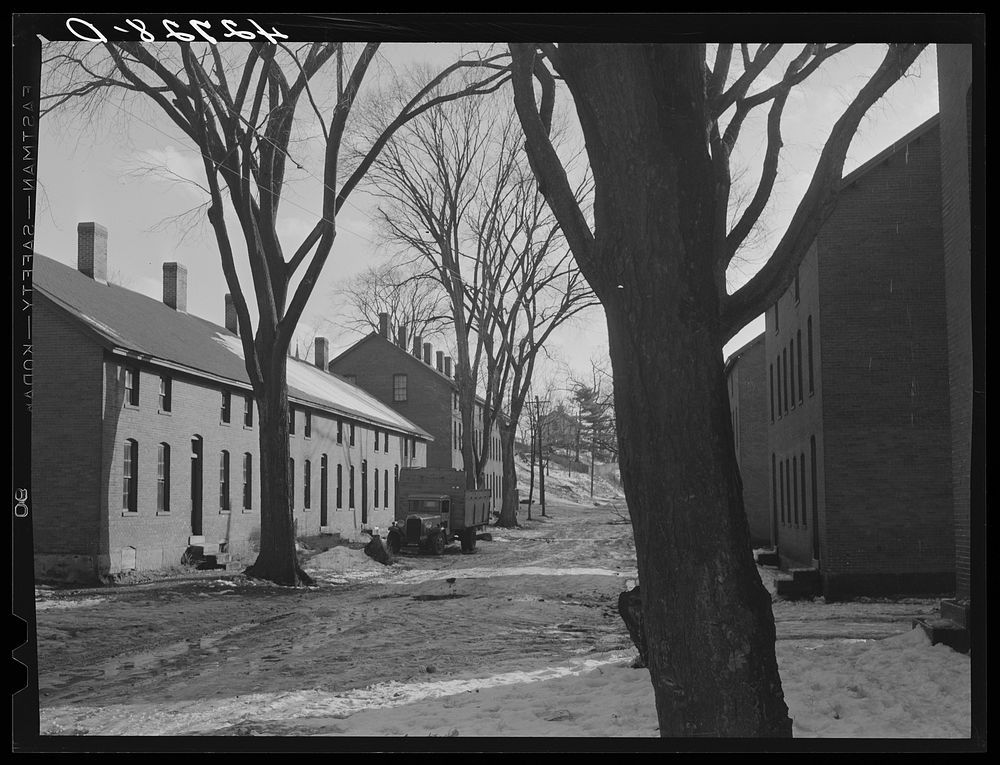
<point>144,429</point>
<point>857,387</point>
<point>420,385</point>
<point>746,379</point>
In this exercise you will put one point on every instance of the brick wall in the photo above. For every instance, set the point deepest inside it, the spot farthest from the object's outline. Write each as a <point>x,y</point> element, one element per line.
<point>793,331</point>
<point>888,506</point>
<point>65,439</point>
<point>954,81</point>
<point>374,361</point>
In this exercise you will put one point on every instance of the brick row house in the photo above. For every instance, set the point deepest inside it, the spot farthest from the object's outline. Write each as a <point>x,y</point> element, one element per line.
<point>144,429</point>
<point>420,385</point>
<point>856,391</point>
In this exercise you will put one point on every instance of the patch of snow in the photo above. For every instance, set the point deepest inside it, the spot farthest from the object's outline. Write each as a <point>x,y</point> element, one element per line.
<point>56,605</point>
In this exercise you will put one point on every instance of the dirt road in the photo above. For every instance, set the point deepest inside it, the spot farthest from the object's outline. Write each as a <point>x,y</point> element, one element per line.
<point>533,596</point>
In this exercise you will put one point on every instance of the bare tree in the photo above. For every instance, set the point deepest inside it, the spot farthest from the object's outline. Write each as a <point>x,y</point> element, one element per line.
<point>239,105</point>
<point>404,292</point>
<point>657,251</point>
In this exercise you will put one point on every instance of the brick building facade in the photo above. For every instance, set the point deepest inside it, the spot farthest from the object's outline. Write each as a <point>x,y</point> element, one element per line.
<point>746,378</point>
<point>145,432</point>
<point>857,387</point>
<point>955,95</point>
<point>420,385</point>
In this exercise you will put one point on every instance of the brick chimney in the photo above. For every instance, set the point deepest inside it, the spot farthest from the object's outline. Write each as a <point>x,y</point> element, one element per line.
<point>401,336</point>
<point>417,342</point>
<point>427,354</point>
<point>232,321</point>
<point>92,251</point>
<point>447,366</point>
<point>439,357</point>
<point>175,280</point>
<point>383,325</point>
<point>322,351</point>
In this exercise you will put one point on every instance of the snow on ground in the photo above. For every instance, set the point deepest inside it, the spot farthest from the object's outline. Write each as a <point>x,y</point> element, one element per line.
<point>898,687</point>
<point>45,605</point>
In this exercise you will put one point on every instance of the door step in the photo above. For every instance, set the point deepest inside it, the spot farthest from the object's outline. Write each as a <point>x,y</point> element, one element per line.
<point>767,558</point>
<point>944,631</point>
<point>801,583</point>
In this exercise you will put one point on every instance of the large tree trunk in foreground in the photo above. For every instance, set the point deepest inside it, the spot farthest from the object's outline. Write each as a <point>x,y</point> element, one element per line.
<point>277,560</point>
<point>652,262</point>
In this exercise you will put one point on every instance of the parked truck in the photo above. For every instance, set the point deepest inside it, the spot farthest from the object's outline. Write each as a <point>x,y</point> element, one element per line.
<point>433,507</point>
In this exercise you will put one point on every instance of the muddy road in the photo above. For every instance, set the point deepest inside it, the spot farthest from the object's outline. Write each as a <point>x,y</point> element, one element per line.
<point>534,596</point>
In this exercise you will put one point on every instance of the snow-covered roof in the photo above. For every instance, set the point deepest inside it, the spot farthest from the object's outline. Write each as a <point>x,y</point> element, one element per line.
<point>132,323</point>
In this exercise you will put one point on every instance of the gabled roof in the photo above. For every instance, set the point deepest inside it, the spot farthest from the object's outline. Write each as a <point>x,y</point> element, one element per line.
<point>135,325</point>
<point>898,145</point>
<point>735,355</point>
<point>375,338</point>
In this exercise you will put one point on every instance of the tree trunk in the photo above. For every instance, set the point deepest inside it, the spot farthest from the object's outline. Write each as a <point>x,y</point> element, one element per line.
<point>508,508</point>
<point>277,560</point>
<point>653,262</point>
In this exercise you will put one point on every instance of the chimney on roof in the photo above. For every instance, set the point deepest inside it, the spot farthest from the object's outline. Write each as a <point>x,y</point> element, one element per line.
<point>440,361</point>
<point>447,366</point>
<point>417,342</point>
<point>232,321</point>
<point>401,336</point>
<point>427,354</point>
<point>322,351</point>
<point>383,325</point>
<point>92,251</point>
<point>175,281</point>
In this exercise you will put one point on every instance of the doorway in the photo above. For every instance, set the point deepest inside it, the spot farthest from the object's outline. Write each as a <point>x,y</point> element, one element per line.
<point>197,458</point>
<point>364,492</point>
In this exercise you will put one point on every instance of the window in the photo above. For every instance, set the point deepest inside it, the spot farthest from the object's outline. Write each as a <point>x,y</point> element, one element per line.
<point>788,487</point>
<point>771,378</point>
<point>307,485</point>
<point>776,327</point>
<point>798,334</point>
<point>385,496</point>
<point>307,427</point>
<point>375,503</point>
<point>802,471</point>
<point>781,488</point>
<point>795,489</point>
<point>376,439</point>
<point>131,386</point>
<point>247,412</point>
<point>399,387</point>
<point>340,431</point>
<point>224,481</point>
<point>791,379</point>
<point>323,486</point>
<point>784,374</point>
<point>812,475</point>
<point>247,481</point>
<point>165,391</point>
<point>352,434</point>
<point>809,338</point>
<point>291,480</point>
<point>350,488</point>
<point>777,363</point>
<point>774,487</point>
<point>291,420</point>
<point>226,410</point>
<point>406,446</point>
<point>340,486</point>
<point>796,286</point>
<point>130,476</point>
<point>395,480</point>
<point>163,478</point>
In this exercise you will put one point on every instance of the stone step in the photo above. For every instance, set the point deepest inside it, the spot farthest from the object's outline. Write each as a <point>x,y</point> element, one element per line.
<point>799,583</point>
<point>196,540</point>
<point>944,631</point>
<point>767,558</point>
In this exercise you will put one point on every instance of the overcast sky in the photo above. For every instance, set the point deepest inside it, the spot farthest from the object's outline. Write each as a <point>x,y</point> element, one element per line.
<point>92,171</point>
